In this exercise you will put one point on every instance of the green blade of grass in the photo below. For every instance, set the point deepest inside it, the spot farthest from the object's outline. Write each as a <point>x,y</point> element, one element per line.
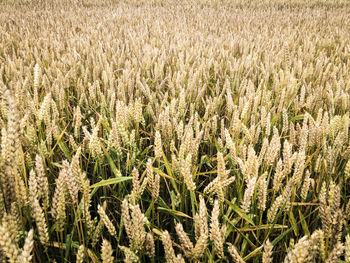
<point>173,212</point>
<point>111,181</point>
<point>240,213</point>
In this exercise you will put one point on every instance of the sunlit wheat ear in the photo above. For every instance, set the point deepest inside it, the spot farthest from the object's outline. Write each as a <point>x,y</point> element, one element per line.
<point>248,195</point>
<point>168,247</point>
<point>203,229</point>
<point>7,244</point>
<point>44,111</point>
<point>200,246</point>
<point>187,172</point>
<point>268,125</point>
<point>285,121</point>
<point>109,225</point>
<point>330,212</point>
<point>77,122</point>
<point>336,253</point>
<point>58,209</point>
<point>306,249</point>
<point>219,184</point>
<point>137,187</point>
<point>4,144</point>
<point>14,185</point>
<point>80,254</point>
<point>78,174</point>
<point>179,259</point>
<point>86,203</point>
<point>150,176</point>
<point>107,252</point>
<point>283,200</point>
<point>264,147</point>
<point>26,255</point>
<point>149,245</point>
<point>251,166</point>
<point>306,185</point>
<point>197,225</point>
<point>262,192</point>
<point>139,234</point>
<point>221,167</point>
<point>324,210</point>
<point>71,183</point>
<point>217,234</point>
<point>33,186</point>
<point>322,246</point>
<point>234,254</point>
<point>94,143</point>
<point>130,256</point>
<point>96,232</point>
<point>126,218</point>
<point>36,83</point>
<point>158,145</point>
<point>13,223</point>
<point>347,170</point>
<point>267,255</point>
<point>134,225</point>
<point>114,140</point>
<point>287,156</point>
<point>42,180</point>
<point>137,110</point>
<point>156,187</point>
<point>184,239</point>
<point>41,224</point>
<point>299,169</point>
<point>347,249</point>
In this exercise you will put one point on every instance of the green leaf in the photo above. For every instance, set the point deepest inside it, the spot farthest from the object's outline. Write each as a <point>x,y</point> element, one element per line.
<point>111,163</point>
<point>240,213</point>
<point>240,232</point>
<point>169,171</point>
<point>303,224</point>
<point>58,142</point>
<point>280,237</point>
<point>111,181</point>
<point>204,160</point>
<point>293,222</point>
<point>173,212</point>
<point>68,245</point>
<point>65,151</point>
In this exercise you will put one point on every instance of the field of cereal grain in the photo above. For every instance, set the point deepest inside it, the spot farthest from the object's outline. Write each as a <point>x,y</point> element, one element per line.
<point>174,131</point>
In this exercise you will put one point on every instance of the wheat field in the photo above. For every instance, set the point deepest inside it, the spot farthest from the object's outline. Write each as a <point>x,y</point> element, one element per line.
<point>175,131</point>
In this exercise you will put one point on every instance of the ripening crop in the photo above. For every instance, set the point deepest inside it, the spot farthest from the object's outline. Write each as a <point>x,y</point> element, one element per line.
<point>175,131</point>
